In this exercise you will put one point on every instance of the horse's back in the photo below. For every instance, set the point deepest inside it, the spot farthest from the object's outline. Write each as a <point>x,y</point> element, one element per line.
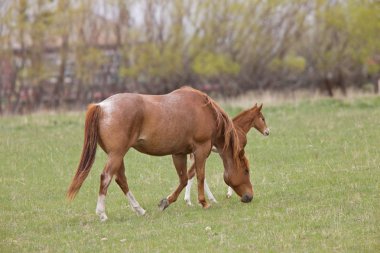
<point>174,122</point>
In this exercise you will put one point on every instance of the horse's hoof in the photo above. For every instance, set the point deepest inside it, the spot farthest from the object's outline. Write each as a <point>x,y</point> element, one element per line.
<point>164,203</point>
<point>205,205</point>
<point>214,201</point>
<point>188,202</point>
<point>229,195</point>
<point>139,211</point>
<point>103,217</point>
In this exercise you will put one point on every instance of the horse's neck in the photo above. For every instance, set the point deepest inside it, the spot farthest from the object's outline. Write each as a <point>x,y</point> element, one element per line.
<point>228,163</point>
<point>244,121</point>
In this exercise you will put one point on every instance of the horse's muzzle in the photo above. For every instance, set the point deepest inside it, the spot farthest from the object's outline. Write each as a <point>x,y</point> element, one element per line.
<point>246,198</point>
<point>266,132</point>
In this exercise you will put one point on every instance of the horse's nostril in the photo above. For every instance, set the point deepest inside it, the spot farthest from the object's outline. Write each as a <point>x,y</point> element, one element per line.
<point>246,198</point>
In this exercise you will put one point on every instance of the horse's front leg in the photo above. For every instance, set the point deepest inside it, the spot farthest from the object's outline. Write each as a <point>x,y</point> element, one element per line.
<point>190,175</point>
<point>200,157</point>
<point>200,167</point>
<point>181,167</point>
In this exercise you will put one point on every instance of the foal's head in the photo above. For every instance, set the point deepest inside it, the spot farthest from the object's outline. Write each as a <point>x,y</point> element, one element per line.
<point>258,120</point>
<point>252,117</point>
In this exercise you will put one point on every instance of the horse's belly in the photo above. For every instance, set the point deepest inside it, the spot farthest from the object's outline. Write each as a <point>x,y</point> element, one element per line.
<point>152,147</point>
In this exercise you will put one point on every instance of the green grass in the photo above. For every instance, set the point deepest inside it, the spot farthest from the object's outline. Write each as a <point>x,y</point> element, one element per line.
<point>316,181</point>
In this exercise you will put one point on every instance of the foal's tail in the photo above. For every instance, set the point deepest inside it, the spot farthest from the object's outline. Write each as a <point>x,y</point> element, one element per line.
<point>89,150</point>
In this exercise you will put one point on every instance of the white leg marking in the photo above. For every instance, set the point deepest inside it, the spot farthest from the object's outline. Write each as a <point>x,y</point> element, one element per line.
<point>209,193</point>
<point>101,208</point>
<point>229,192</point>
<point>134,204</point>
<point>188,190</point>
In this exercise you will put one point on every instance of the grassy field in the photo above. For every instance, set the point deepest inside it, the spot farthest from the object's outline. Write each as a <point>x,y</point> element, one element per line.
<point>316,181</point>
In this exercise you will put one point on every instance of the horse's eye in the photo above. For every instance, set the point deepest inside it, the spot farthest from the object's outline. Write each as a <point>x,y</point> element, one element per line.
<point>263,119</point>
<point>246,171</point>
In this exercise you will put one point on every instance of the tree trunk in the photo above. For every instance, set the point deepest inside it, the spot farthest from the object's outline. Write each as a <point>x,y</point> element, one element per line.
<point>59,86</point>
<point>328,87</point>
<point>341,83</point>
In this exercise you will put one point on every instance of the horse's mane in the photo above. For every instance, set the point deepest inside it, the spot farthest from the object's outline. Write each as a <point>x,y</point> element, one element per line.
<point>246,114</point>
<point>224,125</point>
<point>241,115</point>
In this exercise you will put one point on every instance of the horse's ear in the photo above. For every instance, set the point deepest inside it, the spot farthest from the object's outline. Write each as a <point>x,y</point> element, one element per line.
<point>255,105</point>
<point>261,106</point>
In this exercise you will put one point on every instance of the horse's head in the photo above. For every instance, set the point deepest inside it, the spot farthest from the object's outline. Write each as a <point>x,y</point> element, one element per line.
<point>259,120</point>
<point>236,174</point>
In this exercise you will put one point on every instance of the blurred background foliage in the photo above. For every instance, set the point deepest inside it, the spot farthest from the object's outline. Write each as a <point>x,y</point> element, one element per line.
<point>65,53</point>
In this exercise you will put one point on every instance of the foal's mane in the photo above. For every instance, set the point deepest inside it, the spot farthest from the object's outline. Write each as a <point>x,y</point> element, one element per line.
<point>246,116</point>
<point>224,125</point>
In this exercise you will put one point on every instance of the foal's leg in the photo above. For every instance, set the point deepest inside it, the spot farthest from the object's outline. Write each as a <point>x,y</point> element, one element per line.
<point>190,175</point>
<point>188,192</point>
<point>121,180</point>
<point>210,196</point>
<point>113,164</point>
<point>229,192</point>
<point>181,167</point>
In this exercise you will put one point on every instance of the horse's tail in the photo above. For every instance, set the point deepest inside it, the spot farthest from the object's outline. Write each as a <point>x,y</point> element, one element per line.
<point>91,136</point>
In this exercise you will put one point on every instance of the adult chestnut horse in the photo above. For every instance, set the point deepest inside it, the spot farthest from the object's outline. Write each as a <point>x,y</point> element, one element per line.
<point>185,121</point>
<point>243,122</point>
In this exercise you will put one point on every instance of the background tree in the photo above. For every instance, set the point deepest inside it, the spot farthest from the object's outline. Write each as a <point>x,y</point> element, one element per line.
<point>63,52</point>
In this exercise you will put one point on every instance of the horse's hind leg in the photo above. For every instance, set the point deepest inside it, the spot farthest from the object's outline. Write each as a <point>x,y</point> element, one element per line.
<point>181,167</point>
<point>121,180</point>
<point>113,164</point>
